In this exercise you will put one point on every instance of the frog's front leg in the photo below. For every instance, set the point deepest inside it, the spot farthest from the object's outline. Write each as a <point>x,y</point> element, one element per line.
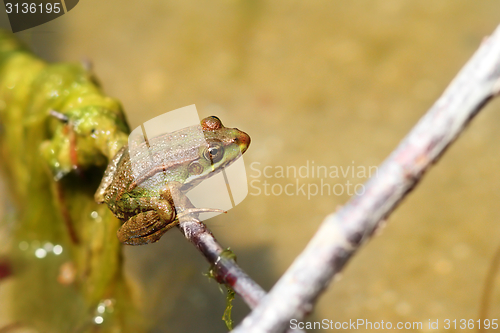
<point>182,203</point>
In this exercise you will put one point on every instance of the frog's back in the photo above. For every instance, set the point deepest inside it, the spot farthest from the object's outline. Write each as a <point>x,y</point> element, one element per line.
<point>121,178</point>
<point>137,179</point>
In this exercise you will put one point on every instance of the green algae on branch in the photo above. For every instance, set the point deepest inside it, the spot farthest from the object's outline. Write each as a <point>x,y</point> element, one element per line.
<point>57,132</point>
<point>215,273</point>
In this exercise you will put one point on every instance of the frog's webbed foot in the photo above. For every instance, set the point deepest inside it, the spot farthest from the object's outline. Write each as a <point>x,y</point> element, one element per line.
<point>144,228</point>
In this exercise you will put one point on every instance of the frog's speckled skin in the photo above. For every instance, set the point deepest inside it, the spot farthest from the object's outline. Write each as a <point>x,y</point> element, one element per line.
<point>145,202</point>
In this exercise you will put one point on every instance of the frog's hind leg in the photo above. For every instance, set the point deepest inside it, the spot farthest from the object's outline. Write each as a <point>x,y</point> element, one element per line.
<point>144,228</point>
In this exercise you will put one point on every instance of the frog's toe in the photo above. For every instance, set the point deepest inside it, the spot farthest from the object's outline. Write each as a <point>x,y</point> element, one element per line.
<point>199,210</point>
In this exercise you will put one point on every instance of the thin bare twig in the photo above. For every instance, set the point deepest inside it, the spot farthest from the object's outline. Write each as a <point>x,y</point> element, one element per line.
<point>341,234</point>
<point>226,270</point>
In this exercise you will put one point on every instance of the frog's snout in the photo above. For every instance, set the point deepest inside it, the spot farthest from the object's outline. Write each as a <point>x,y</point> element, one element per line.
<point>243,141</point>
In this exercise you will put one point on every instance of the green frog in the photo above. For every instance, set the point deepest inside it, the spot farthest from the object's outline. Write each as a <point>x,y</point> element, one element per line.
<point>141,189</point>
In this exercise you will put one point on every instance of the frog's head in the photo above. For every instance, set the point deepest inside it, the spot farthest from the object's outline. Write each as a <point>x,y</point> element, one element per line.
<point>214,131</point>
<point>224,146</point>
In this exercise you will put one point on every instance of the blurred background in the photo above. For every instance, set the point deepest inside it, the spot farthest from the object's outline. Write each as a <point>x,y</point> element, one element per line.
<point>335,84</point>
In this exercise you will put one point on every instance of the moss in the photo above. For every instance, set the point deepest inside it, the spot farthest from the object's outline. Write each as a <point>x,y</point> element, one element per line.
<point>58,131</point>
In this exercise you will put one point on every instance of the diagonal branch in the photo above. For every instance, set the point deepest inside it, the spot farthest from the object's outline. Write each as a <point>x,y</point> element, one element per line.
<point>341,234</point>
<point>226,270</point>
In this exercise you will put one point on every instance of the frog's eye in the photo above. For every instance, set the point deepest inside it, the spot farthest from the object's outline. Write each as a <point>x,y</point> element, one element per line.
<point>211,123</point>
<point>214,152</point>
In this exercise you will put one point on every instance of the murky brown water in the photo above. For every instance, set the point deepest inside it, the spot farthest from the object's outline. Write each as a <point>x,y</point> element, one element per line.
<point>337,84</point>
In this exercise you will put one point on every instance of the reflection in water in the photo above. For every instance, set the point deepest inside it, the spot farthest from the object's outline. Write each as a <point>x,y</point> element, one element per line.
<point>104,307</point>
<point>41,251</point>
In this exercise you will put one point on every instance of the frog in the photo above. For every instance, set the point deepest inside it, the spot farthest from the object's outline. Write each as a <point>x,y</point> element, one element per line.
<point>147,191</point>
